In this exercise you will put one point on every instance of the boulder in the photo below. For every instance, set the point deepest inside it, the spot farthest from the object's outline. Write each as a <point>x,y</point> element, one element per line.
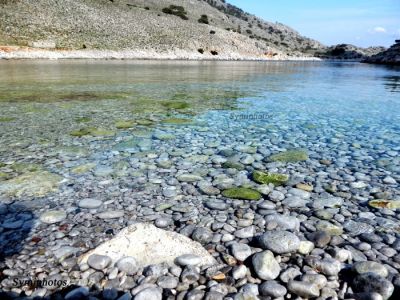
<point>150,245</point>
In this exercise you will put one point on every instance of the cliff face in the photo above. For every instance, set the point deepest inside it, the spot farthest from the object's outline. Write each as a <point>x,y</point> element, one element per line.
<point>209,26</point>
<point>390,57</point>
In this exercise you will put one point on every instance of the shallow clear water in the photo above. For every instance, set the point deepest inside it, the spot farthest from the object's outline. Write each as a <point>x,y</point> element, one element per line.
<point>62,115</point>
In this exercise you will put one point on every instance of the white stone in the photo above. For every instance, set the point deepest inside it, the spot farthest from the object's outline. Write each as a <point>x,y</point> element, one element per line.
<point>53,216</point>
<point>150,245</point>
<point>305,247</point>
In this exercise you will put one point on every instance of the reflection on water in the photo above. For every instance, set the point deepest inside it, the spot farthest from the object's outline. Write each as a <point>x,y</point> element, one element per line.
<point>392,83</point>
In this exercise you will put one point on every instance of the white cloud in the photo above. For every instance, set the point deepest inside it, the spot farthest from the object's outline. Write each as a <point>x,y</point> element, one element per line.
<point>379,29</point>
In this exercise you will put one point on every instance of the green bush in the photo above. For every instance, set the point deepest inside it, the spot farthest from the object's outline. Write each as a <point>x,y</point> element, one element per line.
<point>175,10</point>
<point>204,19</point>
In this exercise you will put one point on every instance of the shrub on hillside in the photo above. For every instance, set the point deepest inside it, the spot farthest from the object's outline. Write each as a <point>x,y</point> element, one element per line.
<point>204,19</point>
<point>176,10</point>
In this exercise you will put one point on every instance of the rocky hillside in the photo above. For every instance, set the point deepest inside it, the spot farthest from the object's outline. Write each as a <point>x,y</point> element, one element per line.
<point>390,57</point>
<point>212,27</point>
<point>348,52</point>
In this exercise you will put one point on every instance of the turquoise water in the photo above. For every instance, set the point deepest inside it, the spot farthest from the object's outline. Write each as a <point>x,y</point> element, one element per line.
<point>347,113</point>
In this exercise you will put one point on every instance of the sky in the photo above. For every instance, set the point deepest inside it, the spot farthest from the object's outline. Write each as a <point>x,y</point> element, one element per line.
<point>362,23</point>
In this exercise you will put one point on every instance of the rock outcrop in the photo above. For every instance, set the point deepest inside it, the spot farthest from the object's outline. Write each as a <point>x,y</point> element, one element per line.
<point>389,57</point>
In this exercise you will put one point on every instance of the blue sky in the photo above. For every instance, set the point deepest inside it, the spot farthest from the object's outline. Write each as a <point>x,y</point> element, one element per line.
<point>359,22</point>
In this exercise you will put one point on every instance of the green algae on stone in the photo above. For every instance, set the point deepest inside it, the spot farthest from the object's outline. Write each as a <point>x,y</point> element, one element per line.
<point>233,165</point>
<point>178,105</point>
<point>163,206</point>
<point>25,167</point>
<point>388,204</point>
<point>102,132</point>
<point>145,122</point>
<point>98,132</point>
<point>83,168</point>
<point>266,178</point>
<point>242,193</point>
<point>124,124</point>
<point>82,119</point>
<point>81,132</point>
<point>48,96</point>
<point>6,119</point>
<point>35,184</point>
<point>4,176</point>
<point>163,136</point>
<point>294,155</point>
<point>177,121</point>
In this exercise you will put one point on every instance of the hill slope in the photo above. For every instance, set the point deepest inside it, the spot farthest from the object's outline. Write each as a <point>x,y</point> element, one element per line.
<point>148,25</point>
<point>390,56</point>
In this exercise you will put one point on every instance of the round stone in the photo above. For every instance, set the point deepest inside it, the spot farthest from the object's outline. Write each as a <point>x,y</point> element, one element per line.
<point>245,233</point>
<point>167,282</point>
<point>189,178</point>
<point>327,266</point>
<point>98,262</point>
<point>217,205</point>
<point>149,293</point>
<point>77,293</point>
<point>90,203</point>
<point>202,235</point>
<point>188,260</point>
<point>53,216</point>
<point>305,247</point>
<point>265,265</point>
<point>279,242</point>
<point>112,214</point>
<point>284,222</point>
<point>320,238</point>
<point>128,265</point>
<point>163,222</point>
<point>239,272</point>
<point>303,289</point>
<point>170,191</point>
<point>371,282</point>
<point>370,267</point>
<point>272,289</point>
<point>241,251</point>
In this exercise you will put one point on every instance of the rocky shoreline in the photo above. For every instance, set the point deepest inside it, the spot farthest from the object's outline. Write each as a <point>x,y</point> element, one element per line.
<point>15,53</point>
<point>389,57</point>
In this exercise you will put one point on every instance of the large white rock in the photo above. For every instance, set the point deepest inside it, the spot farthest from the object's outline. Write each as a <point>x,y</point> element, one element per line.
<point>150,245</point>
